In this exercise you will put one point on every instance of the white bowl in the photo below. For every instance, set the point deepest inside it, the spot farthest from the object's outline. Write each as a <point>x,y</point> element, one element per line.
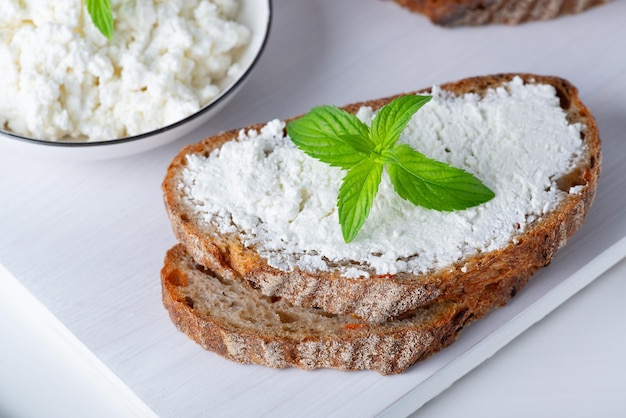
<point>255,14</point>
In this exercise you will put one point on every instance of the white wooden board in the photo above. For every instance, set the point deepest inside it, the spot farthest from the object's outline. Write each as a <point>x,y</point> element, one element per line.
<point>87,238</point>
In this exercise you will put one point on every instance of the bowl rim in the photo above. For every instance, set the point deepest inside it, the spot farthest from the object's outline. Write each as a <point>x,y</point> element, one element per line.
<point>231,89</point>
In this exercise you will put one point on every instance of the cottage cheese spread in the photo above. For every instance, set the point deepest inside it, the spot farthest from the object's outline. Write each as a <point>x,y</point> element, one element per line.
<point>61,79</point>
<point>516,140</point>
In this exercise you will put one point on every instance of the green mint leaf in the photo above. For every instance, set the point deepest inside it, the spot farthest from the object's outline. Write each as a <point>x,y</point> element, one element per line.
<point>101,16</point>
<point>391,120</point>
<point>331,135</point>
<point>433,184</point>
<point>356,196</point>
<point>340,139</point>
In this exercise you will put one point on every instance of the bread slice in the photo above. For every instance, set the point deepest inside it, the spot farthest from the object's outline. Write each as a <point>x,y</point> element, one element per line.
<point>480,12</point>
<point>229,317</point>
<point>382,296</point>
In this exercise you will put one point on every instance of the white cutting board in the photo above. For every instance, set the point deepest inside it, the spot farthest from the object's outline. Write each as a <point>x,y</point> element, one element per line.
<point>87,238</point>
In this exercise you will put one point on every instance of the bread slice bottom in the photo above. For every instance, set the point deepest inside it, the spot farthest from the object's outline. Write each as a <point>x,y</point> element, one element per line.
<point>228,316</point>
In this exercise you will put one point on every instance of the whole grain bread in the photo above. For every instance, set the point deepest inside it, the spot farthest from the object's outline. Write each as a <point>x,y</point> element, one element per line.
<point>481,12</point>
<point>380,298</point>
<point>229,317</point>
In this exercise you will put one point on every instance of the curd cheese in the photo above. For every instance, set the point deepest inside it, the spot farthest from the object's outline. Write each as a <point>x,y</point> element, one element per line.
<point>516,140</point>
<point>61,79</point>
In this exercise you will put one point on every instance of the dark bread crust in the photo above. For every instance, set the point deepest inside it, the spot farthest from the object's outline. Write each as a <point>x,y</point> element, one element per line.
<point>481,12</point>
<point>380,298</point>
<point>387,348</point>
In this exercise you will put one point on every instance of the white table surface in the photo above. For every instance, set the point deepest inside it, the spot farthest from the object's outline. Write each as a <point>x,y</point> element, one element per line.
<point>82,330</point>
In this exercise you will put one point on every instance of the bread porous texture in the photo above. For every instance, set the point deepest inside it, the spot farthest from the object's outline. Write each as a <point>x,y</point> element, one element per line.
<point>230,317</point>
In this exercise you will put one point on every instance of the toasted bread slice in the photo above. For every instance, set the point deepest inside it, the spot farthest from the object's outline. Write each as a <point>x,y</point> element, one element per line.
<point>480,12</point>
<point>229,317</point>
<point>381,297</point>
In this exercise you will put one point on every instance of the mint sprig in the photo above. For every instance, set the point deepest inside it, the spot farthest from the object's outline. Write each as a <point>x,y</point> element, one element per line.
<point>340,139</point>
<point>101,16</point>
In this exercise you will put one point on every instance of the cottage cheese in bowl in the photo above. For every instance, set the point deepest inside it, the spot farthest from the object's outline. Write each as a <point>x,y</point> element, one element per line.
<point>169,61</point>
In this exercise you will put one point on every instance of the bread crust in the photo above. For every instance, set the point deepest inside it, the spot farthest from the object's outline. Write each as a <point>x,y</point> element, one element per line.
<point>387,348</point>
<point>452,13</point>
<point>380,298</point>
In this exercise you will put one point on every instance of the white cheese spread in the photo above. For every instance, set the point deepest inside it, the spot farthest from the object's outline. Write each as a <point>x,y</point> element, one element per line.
<point>60,78</point>
<point>516,140</point>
